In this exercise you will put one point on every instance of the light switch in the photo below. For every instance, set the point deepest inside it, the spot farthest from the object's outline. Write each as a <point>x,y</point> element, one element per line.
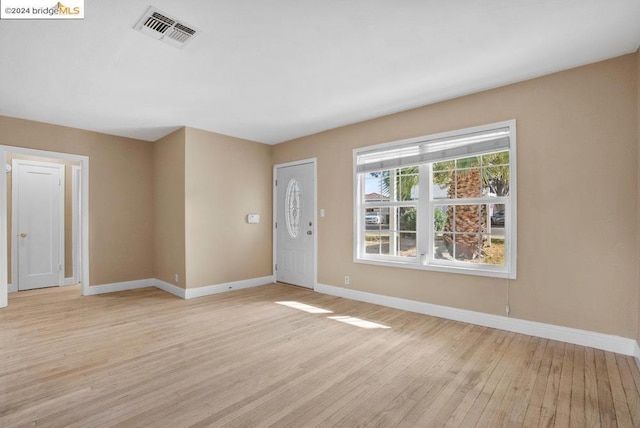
<point>253,218</point>
<point>322,212</point>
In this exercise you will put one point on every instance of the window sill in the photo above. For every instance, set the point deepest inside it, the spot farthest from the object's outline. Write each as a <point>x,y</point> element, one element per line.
<point>437,268</point>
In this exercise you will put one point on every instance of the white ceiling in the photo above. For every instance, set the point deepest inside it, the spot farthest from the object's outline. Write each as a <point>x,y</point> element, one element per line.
<point>271,71</point>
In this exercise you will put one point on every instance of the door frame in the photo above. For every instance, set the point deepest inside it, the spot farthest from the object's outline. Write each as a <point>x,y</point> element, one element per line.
<point>314,163</point>
<point>76,249</point>
<point>84,221</point>
<point>15,278</point>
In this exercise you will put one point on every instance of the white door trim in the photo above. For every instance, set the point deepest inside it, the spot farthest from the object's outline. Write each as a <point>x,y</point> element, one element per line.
<point>14,217</point>
<point>314,162</point>
<point>4,288</point>
<point>84,164</point>
<point>76,252</point>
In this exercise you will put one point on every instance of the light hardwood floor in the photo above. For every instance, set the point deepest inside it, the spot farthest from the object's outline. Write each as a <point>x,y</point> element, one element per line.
<point>146,358</point>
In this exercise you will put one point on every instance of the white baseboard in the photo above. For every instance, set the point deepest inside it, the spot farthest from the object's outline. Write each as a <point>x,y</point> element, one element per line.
<point>228,286</point>
<point>120,286</point>
<point>12,288</point>
<point>606,342</point>
<point>70,281</point>
<point>177,291</point>
<point>170,288</point>
<point>636,354</point>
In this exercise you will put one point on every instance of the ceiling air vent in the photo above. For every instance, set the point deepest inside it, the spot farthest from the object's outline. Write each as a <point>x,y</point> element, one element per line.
<point>159,25</point>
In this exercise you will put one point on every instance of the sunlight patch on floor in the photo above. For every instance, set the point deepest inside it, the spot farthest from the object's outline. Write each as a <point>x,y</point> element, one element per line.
<point>358,322</point>
<point>304,307</point>
<point>341,318</point>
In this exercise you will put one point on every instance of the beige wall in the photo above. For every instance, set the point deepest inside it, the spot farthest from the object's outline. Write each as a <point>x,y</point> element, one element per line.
<point>578,136</point>
<point>68,212</point>
<point>169,185</point>
<point>120,194</point>
<point>226,179</point>
<point>577,148</point>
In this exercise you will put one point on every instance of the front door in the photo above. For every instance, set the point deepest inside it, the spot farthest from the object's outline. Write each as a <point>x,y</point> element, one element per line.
<point>38,227</point>
<point>295,224</point>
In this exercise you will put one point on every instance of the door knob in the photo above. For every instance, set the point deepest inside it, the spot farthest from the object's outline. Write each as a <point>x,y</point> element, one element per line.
<point>23,235</point>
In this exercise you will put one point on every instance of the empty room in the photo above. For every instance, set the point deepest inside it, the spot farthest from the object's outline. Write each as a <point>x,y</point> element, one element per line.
<point>338,213</point>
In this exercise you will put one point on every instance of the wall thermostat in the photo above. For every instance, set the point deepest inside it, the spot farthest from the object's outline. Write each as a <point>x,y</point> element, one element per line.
<point>253,218</point>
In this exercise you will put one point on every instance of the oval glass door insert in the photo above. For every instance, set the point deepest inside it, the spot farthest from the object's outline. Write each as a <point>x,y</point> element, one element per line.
<point>293,208</point>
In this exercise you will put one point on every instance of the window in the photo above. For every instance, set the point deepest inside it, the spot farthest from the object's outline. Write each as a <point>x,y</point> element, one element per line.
<point>444,202</point>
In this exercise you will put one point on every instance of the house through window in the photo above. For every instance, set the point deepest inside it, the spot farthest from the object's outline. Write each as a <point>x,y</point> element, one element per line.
<point>442,202</point>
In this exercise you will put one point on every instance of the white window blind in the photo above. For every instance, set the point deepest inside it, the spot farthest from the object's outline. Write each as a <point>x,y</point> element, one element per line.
<point>432,150</point>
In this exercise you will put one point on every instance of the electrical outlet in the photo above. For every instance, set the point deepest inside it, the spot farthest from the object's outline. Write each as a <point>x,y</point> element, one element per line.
<point>176,277</point>
<point>347,280</point>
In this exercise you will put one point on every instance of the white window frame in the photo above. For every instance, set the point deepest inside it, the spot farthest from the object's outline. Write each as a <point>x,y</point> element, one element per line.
<point>391,205</point>
<point>425,259</point>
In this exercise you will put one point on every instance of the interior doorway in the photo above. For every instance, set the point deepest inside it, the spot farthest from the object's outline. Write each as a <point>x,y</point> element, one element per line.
<point>38,224</point>
<point>77,262</point>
